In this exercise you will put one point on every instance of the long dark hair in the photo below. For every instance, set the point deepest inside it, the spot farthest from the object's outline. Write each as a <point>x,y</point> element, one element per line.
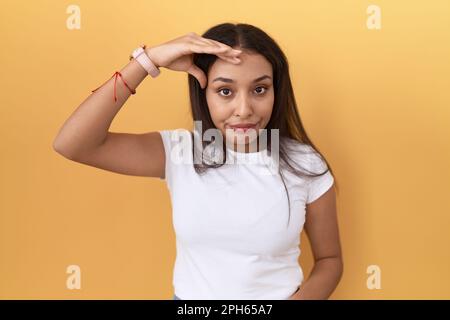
<point>284,117</point>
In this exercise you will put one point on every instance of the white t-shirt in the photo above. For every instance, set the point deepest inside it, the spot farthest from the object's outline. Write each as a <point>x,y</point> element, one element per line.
<point>233,240</point>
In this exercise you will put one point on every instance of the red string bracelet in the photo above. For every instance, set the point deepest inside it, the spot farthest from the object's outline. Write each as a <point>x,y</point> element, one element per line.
<point>117,73</point>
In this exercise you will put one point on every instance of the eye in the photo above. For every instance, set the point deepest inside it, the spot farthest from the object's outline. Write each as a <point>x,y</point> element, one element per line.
<point>265,89</point>
<point>224,89</point>
<point>228,90</point>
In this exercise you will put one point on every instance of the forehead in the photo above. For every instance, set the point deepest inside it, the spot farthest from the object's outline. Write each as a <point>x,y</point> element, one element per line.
<point>252,66</point>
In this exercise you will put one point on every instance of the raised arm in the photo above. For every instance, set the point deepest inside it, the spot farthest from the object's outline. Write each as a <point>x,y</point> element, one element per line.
<point>85,135</point>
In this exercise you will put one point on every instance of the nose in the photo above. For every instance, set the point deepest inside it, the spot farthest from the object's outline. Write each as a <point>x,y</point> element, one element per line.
<point>243,108</point>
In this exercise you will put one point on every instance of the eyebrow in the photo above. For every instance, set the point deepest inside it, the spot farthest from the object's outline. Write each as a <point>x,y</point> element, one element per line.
<point>231,80</point>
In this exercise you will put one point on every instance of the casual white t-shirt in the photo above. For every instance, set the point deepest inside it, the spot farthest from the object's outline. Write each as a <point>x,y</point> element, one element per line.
<point>233,240</point>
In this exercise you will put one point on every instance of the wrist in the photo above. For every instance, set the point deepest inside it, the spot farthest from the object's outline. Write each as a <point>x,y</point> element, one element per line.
<point>140,54</point>
<point>150,53</point>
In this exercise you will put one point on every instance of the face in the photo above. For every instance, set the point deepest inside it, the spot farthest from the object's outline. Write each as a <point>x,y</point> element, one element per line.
<point>239,95</point>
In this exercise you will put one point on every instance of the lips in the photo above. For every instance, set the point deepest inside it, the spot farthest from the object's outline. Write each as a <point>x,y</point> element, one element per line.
<point>242,126</point>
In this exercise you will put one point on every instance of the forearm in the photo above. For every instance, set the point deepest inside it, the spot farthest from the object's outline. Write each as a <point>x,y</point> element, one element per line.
<point>88,125</point>
<point>322,281</point>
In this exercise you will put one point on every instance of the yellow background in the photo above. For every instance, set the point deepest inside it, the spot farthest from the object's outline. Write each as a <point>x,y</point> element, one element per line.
<point>375,101</point>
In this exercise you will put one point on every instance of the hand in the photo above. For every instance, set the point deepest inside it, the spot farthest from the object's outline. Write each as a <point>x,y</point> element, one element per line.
<point>177,54</point>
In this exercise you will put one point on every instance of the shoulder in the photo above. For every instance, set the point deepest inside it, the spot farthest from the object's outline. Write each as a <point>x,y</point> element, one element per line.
<point>175,134</point>
<point>177,144</point>
<point>295,146</point>
<point>172,137</point>
<point>305,155</point>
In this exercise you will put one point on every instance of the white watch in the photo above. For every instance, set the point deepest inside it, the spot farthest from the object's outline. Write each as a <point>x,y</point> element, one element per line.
<point>143,59</point>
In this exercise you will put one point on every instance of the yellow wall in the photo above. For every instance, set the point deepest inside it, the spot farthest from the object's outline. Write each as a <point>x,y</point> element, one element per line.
<point>375,101</point>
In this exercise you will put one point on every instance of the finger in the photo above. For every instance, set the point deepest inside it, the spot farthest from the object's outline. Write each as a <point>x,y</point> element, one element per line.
<point>212,42</point>
<point>209,41</point>
<point>230,59</point>
<point>227,49</point>
<point>221,44</point>
<point>229,53</point>
<point>198,74</point>
<point>199,47</point>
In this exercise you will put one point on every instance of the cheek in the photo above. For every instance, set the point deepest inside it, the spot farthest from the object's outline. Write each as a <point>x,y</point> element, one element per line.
<point>266,108</point>
<point>218,113</point>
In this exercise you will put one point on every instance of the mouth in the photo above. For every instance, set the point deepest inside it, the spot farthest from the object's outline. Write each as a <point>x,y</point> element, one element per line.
<point>242,127</point>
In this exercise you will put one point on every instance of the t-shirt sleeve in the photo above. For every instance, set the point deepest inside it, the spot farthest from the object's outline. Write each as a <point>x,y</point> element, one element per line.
<point>173,141</point>
<point>318,185</point>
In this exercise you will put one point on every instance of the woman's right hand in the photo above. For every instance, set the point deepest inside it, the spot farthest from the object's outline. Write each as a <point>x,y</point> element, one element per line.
<point>178,55</point>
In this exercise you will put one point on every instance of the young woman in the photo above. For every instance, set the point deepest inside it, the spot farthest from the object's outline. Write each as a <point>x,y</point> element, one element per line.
<point>237,224</point>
